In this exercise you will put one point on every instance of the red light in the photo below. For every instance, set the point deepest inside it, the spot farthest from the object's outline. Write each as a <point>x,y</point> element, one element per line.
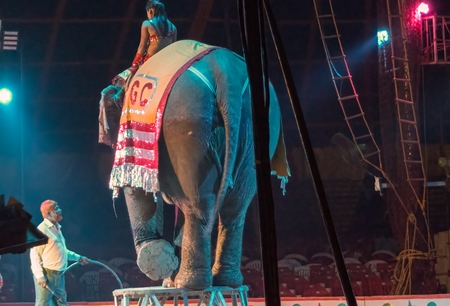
<point>423,8</point>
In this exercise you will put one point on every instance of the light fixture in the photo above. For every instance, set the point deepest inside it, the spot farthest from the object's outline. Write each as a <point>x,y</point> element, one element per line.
<point>383,37</point>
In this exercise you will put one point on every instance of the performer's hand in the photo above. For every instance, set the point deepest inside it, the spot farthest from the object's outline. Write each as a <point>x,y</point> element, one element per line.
<point>84,260</point>
<point>42,282</point>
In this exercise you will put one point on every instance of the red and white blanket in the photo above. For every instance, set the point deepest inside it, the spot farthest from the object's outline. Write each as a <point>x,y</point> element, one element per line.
<point>136,159</point>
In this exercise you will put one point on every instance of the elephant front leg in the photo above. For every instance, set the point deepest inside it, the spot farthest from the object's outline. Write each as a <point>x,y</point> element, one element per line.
<point>195,268</point>
<point>155,256</point>
<point>141,209</point>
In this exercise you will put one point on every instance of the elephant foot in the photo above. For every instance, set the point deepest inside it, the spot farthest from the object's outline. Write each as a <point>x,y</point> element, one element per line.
<point>156,259</point>
<point>168,283</point>
<point>230,278</point>
<point>197,280</point>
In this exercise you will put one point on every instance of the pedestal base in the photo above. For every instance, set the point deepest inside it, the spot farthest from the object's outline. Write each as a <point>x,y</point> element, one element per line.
<point>158,296</point>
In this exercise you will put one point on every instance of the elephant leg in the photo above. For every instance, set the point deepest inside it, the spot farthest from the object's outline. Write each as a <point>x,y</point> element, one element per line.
<point>227,266</point>
<point>155,256</point>
<point>195,267</point>
<point>141,209</point>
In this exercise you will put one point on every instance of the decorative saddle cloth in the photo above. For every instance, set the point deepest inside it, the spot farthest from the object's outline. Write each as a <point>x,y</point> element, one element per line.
<point>136,159</point>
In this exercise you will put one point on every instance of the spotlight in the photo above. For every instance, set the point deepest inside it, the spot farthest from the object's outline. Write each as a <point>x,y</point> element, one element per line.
<point>5,96</point>
<point>423,8</point>
<point>383,37</point>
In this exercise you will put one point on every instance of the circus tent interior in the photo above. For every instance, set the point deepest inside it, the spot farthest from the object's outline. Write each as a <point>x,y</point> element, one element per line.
<point>373,83</point>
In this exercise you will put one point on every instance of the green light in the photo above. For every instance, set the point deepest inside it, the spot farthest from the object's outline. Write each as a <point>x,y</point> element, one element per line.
<point>383,37</point>
<point>5,96</point>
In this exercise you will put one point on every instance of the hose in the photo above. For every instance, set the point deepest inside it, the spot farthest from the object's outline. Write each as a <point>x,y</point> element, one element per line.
<point>101,264</point>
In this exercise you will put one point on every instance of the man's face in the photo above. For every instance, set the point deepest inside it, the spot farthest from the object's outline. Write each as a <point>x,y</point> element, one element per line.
<point>55,215</point>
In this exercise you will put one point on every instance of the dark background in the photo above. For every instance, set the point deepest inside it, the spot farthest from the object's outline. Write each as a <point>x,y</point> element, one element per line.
<point>69,50</point>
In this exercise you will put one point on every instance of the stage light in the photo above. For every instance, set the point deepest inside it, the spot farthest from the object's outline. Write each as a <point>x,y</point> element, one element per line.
<point>383,37</point>
<point>423,8</point>
<point>5,96</point>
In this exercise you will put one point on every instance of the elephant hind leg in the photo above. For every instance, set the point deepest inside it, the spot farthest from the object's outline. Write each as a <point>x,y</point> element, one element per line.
<point>227,266</point>
<point>195,268</point>
<point>226,270</point>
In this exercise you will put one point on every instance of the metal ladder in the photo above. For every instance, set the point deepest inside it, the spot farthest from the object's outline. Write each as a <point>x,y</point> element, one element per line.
<point>410,141</point>
<point>345,89</point>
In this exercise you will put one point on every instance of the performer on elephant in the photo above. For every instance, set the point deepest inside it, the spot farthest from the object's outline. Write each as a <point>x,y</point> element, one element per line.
<point>157,32</point>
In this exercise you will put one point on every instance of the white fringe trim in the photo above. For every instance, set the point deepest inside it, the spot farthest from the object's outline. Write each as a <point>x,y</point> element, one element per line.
<point>134,176</point>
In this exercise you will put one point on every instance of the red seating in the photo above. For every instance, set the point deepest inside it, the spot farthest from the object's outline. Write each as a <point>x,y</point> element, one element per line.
<point>294,282</point>
<point>356,272</point>
<point>72,287</point>
<point>385,270</point>
<point>286,292</point>
<point>136,278</point>
<point>336,288</point>
<point>318,273</point>
<point>299,284</point>
<point>387,285</point>
<point>383,255</point>
<point>106,285</point>
<point>373,264</point>
<point>253,279</point>
<point>316,290</point>
<point>322,258</point>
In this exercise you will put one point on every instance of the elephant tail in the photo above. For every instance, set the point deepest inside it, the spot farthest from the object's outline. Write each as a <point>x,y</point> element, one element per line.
<point>231,110</point>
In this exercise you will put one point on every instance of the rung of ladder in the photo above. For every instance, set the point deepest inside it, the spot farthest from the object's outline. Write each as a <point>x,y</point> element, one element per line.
<point>407,121</point>
<point>325,16</point>
<point>402,80</point>
<point>363,136</point>
<point>331,36</point>
<point>348,97</point>
<point>404,101</point>
<point>371,154</point>
<point>342,77</point>
<point>410,141</point>
<point>413,161</point>
<point>355,116</point>
<point>417,179</point>
<point>336,57</point>
<point>399,58</point>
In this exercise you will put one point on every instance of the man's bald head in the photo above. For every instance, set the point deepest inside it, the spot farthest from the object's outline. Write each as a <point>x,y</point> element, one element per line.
<point>47,206</point>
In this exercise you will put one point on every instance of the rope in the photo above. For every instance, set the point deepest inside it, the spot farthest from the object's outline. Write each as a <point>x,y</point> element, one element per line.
<point>403,269</point>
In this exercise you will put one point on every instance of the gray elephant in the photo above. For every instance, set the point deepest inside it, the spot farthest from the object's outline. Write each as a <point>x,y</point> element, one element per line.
<point>206,164</point>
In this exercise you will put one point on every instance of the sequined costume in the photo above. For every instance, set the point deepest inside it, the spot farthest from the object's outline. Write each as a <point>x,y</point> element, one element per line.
<point>139,59</point>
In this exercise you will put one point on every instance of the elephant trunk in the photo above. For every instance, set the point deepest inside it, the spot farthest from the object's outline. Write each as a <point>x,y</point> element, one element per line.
<point>109,115</point>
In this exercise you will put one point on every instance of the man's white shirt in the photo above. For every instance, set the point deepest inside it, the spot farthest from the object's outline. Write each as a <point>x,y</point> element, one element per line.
<point>53,255</point>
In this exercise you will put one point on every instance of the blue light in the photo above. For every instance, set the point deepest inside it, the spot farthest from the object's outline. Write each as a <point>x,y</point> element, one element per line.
<point>5,96</point>
<point>383,37</point>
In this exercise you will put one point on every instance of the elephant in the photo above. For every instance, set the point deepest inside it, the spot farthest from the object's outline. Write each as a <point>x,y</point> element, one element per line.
<point>206,168</point>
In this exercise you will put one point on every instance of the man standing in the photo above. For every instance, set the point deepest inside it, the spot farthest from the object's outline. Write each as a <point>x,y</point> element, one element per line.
<point>49,261</point>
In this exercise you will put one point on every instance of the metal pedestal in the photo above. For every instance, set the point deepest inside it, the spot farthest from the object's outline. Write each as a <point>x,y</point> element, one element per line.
<point>158,296</point>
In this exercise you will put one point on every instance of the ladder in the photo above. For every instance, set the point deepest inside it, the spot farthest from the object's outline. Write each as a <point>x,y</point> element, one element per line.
<point>343,83</point>
<point>407,123</point>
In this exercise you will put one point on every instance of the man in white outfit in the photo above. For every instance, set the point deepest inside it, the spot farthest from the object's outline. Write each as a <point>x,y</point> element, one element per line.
<point>49,261</point>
